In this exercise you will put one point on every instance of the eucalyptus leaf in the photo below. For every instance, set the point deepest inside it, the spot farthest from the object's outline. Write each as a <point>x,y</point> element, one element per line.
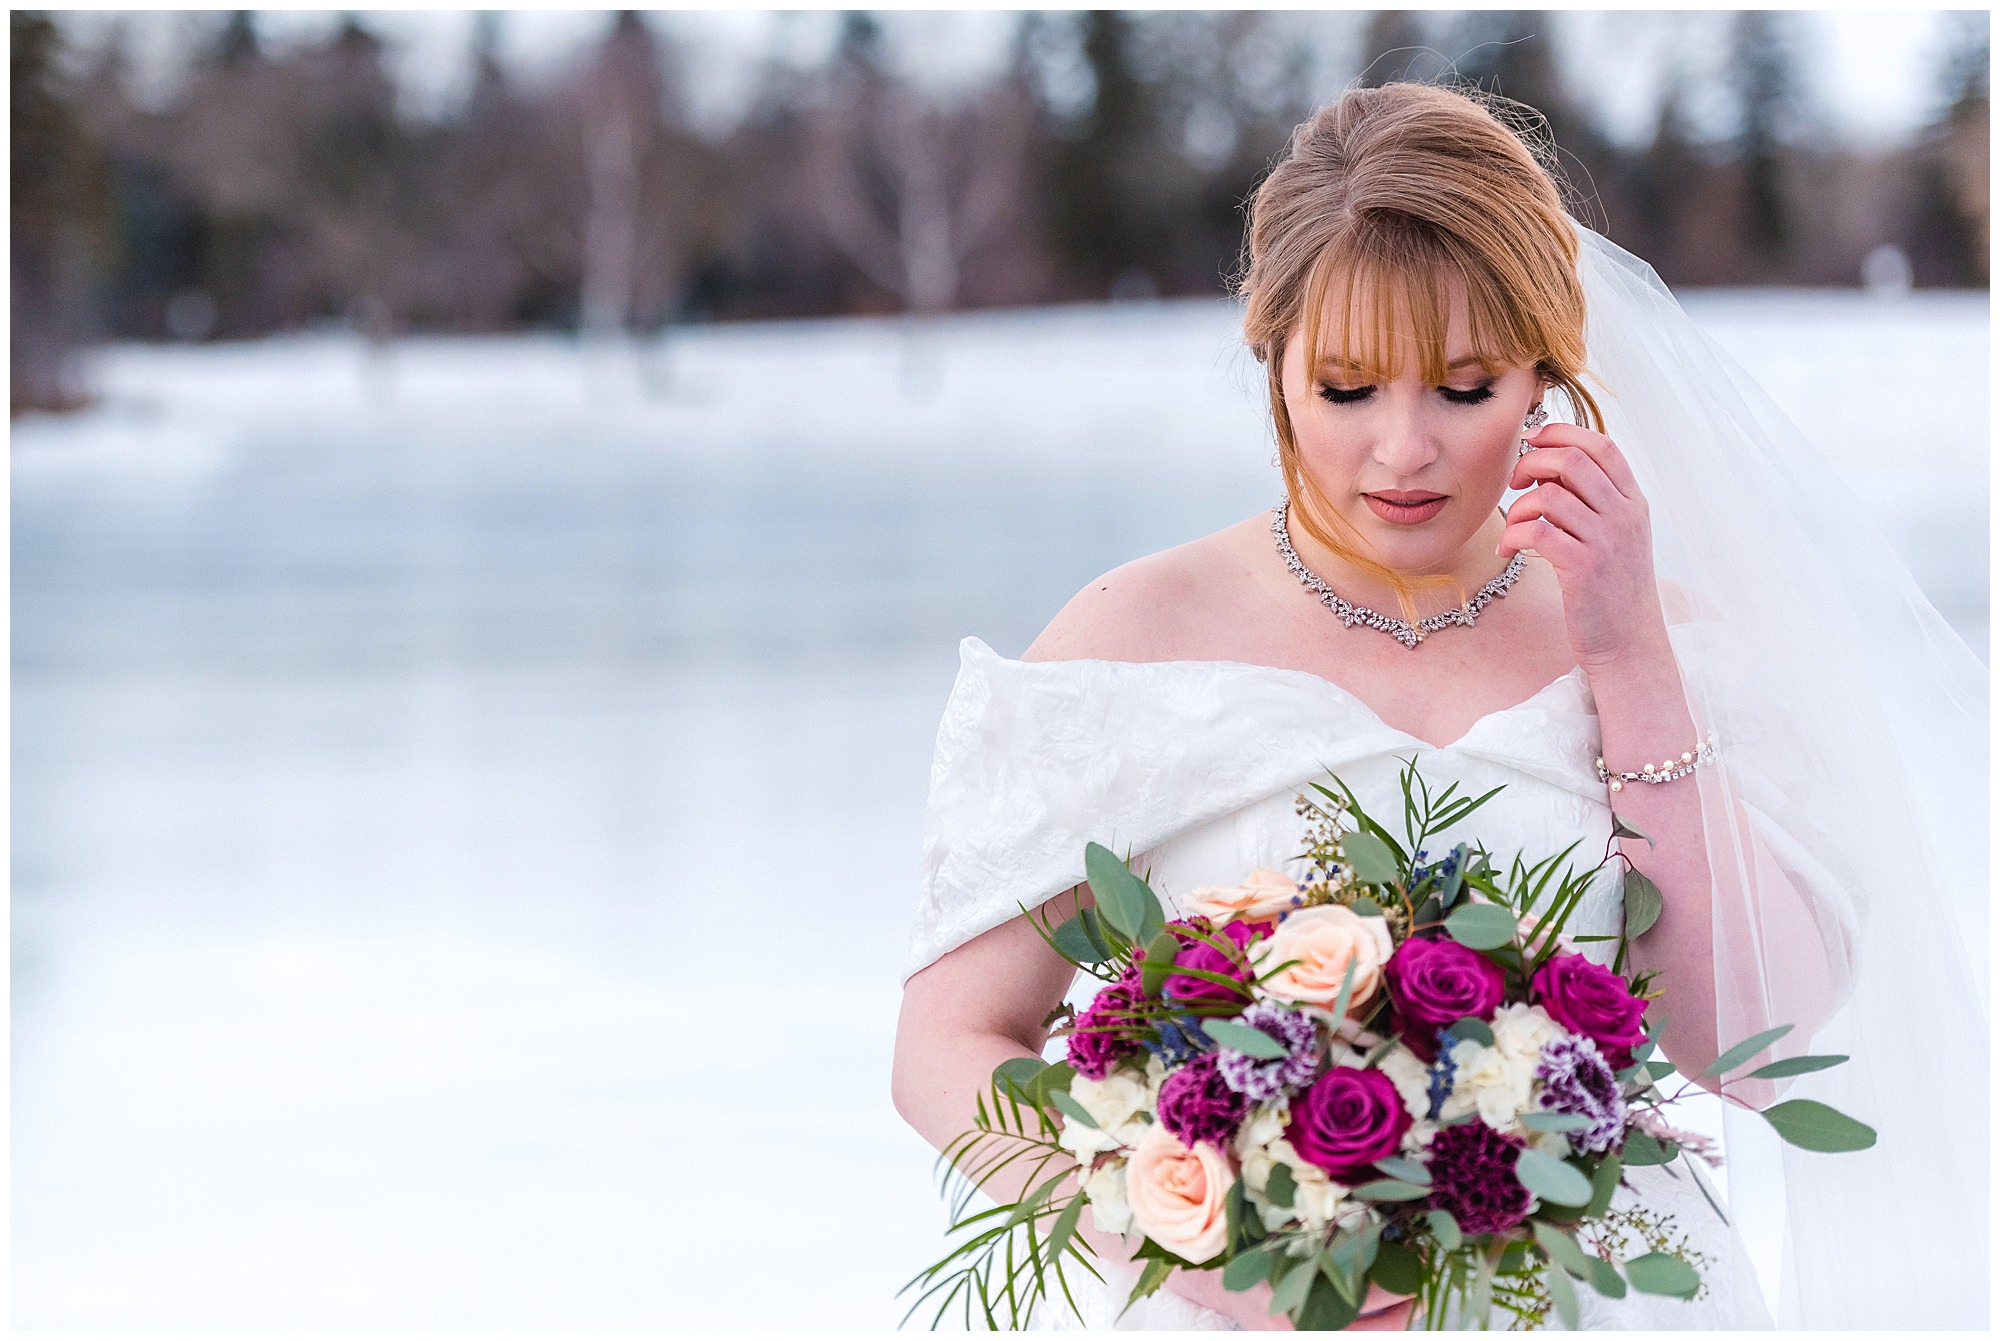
<point>1562,1248</point>
<point>1071,1109</point>
<point>1341,1279</point>
<point>1643,1149</point>
<point>1281,1188</point>
<point>1563,1295</point>
<point>1243,1038</point>
<point>1794,1066</point>
<point>1474,1028</point>
<point>1073,941</point>
<point>1620,829</point>
<point>1366,907</point>
<point>1603,1183</point>
<point>1121,896</point>
<point>1444,1228</point>
<point>1744,1051</point>
<point>1290,1291</point>
<point>1811,1125</point>
<point>1397,1269</point>
<point>1643,904</point>
<point>1658,1273</point>
<point>1158,963</point>
<point>1551,1179</point>
<point>1604,1278</point>
<point>1482,926</point>
<point>1324,1310</point>
<point>1370,859</point>
<point>1247,1270</point>
<point>1554,1121</point>
<point>1391,1189</point>
<point>1015,1077</point>
<point>1406,1169</point>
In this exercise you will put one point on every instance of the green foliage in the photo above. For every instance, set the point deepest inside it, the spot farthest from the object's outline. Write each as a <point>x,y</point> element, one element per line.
<point>1744,1051</point>
<point>1281,1188</point>
<point>1643,1149</point>
<point>1662,1273</point>
<point>1247,1270</point>
<point>1244,1038</point>
<point>1551,1179</point>
<point>1643,904</point>
<point>1811,1125</point>
<point>1370,859</point>
<point>1482,926</point>
<point>1127,905</point>
<point>1794,1066</point>
<point>1397,1269</point>
<point>1392,1189</point>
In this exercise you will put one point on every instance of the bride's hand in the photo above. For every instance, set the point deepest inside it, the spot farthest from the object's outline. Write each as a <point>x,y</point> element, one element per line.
<point>1585,515</point>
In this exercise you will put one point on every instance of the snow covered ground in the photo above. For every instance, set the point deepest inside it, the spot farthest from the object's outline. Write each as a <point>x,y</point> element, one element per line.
<point>467,798</point>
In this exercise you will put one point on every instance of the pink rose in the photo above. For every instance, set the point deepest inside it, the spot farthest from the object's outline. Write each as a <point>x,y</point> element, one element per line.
<point>1435,982</point>
<point>1591,1000</point>
<point>1177,1194</point>
<point>1263,896</point>
<point>1325,940</point>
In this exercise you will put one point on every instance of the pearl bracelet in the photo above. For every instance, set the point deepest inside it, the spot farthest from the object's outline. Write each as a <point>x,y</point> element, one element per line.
<point>1703,753</point>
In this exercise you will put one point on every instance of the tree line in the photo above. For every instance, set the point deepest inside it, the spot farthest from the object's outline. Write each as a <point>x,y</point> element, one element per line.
<point>1110,156</point>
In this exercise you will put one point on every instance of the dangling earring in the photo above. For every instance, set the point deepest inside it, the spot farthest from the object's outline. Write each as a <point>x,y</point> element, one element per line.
<point>1536,418</point>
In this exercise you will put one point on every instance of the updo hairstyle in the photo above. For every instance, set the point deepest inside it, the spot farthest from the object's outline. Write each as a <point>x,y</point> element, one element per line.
<point>1386,196</point>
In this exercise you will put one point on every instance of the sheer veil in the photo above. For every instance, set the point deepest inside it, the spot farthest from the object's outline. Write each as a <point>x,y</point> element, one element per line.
<point>1847,821</point>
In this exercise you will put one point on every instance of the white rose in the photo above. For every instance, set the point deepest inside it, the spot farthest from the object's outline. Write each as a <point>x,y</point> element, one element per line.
<point>1412,1079</point>
<point>1105,1189</point>
<point>1116,1104</point>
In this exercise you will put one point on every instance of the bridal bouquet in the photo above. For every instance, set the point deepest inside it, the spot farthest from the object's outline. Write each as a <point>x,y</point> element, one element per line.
<point>1396,1071</point>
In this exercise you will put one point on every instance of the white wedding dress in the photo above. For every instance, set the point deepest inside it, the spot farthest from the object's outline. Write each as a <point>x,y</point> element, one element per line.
<point>1193,767</point>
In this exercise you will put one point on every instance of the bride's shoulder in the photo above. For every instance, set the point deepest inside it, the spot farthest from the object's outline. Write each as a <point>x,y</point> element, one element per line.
<point>1153,608</point>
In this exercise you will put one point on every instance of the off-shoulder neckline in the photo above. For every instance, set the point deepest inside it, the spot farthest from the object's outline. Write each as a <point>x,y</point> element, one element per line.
<point>1305,679</point>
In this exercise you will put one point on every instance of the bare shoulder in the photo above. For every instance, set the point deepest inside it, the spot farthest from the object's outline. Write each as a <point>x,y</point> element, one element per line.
<point>1151,609</point>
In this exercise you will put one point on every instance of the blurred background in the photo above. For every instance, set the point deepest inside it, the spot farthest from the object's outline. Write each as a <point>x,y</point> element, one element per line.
<point>495,500</point>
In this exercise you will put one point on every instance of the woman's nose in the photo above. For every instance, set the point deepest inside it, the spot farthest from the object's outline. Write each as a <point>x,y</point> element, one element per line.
<point>1404,445</point>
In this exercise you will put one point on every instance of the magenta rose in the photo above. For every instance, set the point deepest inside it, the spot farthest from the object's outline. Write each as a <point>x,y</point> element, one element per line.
<point>1433,983</point>
<point>1196,954</point>
<point>1347,1120</point>
<point>1591,1000</point>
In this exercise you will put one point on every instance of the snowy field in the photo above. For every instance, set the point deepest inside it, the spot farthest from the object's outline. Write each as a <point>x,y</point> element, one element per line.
<point>467,798</point>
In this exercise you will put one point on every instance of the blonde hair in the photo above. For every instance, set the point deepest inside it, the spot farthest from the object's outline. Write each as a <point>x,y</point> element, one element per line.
<point>1387,196</point>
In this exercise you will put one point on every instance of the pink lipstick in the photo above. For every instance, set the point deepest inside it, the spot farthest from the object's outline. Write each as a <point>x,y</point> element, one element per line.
<point>1405,507</point>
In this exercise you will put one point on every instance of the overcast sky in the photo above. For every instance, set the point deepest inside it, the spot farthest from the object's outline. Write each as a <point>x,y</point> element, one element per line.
<point>1872,72</point>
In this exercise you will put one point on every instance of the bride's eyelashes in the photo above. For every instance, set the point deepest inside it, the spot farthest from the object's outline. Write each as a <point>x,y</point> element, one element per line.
<point>1335,395</point>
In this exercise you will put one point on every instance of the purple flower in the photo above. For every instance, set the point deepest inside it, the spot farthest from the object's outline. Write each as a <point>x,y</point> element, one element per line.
<point>1104,1032</point>
<point>1195,1104</point>
<point>1591,1000</point>
<point>1260,1078</point>
<point>1472,1176</point>
<point>1199,954</point>
<point>1433,983</point>
<point>1346,1121</point>
<point>1576,1079</point>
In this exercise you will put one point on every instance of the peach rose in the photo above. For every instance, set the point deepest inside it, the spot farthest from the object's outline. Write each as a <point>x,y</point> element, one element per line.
<point>1263,895</point>
<point>1324,941</point>
<point>1177,1194</point>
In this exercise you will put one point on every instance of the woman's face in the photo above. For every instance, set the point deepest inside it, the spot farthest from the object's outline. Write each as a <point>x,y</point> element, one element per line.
<point>1416,469</point>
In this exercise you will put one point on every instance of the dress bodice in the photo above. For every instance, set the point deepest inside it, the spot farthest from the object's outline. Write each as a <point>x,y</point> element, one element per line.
<point>1193,766</point>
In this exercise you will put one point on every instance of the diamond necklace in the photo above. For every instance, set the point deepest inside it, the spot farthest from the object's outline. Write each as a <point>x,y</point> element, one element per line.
<point>1402,631</point>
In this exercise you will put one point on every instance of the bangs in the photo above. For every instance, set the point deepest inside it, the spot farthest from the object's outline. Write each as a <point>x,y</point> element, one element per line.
<point>1382,294</point>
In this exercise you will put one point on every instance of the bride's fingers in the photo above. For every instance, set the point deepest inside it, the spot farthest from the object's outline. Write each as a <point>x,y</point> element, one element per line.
<point>1576,469</point>
<point>1544,537</point>
<point>1599,448</point>
<point>1560,506</point>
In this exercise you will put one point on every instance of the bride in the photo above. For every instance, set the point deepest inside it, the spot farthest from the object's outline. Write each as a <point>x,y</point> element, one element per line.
<point>1675,569</point>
